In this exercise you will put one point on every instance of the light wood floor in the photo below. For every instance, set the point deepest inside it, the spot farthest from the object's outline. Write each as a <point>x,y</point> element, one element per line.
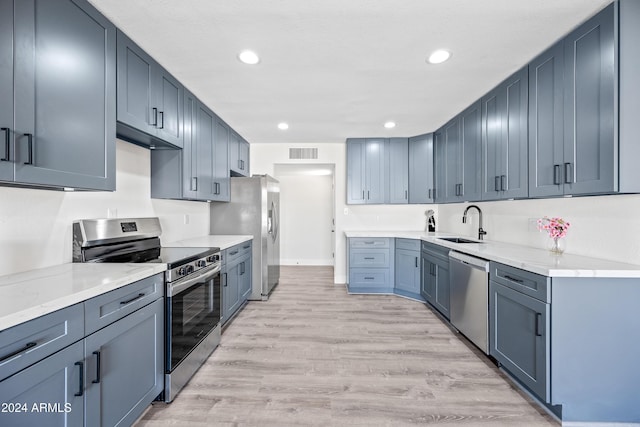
<point>314,356</point>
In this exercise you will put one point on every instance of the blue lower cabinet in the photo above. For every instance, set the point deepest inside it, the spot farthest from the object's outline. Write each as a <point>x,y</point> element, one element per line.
<point>434,277</point>
<point>49,393</point>
<point>125,367</point>
<point>407,268</point>
<point>371,266</point>
<point>236,279</point>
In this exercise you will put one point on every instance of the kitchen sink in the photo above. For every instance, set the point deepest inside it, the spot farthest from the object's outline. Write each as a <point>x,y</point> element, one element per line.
<point>458,240</point>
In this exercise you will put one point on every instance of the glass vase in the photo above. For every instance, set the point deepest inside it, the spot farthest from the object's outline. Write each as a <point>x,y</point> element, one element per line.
<point>556,246</point>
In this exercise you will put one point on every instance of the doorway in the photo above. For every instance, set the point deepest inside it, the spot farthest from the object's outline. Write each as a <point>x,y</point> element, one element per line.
<point>307,213</point>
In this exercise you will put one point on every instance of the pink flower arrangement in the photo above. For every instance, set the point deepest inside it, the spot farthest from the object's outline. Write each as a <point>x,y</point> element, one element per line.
<point>556,227</point>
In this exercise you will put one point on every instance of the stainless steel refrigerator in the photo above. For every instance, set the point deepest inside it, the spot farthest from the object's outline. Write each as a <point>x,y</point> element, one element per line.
<point>254,209</point>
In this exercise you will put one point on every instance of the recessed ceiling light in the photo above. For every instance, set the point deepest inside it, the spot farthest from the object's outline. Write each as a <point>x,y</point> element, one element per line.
<point>390,125</point>
<point>249,57</point>
<point>283,126</point>
<point>439,56</point>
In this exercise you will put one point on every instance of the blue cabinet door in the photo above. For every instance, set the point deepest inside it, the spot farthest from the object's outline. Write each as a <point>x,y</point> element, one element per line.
<point>356,191</point>
<point>452,161</point>
<point>407,270</point>
<point>6,91</point>
<point>421,169</point>
<point>125,367</point>
<point>245,161</point>
<point>427,278</point>
<point>205,131</point>
<point>64,114</point>
<point>190,147</point>
<point>589,97</point>
<point>234,154</point>
<point>504,139</point>
<point>546,119</point>
<point>55,382</point>
<point>245,278</point>
<point>439,166</point>
<point>519,337</point>
<point>230,291</point>
<point>442,288</point>
<point>398,170</point>
<point>221,174</point>
<point>169,103</point>
<point>376,171</point>
<point>470,152</point>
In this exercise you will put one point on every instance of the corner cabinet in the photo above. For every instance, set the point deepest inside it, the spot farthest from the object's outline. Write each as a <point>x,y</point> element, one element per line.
<point>62,113</point>
<point>421,184</point>
<point>504,139</point>
<point>367,171</point>
<point>407,268</point>
<point>398,170</point>
<point>149,98</point>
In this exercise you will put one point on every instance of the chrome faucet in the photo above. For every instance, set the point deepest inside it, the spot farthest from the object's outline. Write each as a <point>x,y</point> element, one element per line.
<point>481,232</point>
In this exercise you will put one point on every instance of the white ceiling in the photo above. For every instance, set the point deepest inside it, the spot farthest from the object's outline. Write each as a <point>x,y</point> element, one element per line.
<point>334,69</point>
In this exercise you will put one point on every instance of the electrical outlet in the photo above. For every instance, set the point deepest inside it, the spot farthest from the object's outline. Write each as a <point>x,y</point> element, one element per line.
<point>112,213</point>
<point>346,211</point>
<point>186,219</point>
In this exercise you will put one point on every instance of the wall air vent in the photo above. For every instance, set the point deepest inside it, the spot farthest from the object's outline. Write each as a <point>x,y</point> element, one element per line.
<point>303,153</point>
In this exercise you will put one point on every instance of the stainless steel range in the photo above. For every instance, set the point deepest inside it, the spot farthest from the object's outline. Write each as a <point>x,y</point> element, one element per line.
<point>193,293</point>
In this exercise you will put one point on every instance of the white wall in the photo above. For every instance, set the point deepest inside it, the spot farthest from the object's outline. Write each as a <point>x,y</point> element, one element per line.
<point>606,227</point>
<point>35,225</point>
<point>383,217</point>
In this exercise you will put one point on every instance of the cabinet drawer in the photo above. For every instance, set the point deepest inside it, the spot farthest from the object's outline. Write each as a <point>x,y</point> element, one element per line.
<point>369,242</point>
<point>409,244</point>
<point>528,283</point>
<point>236,252</point>
<point>105,309</point>
<point>369,278</point>
<point>30,342</point>
<point>377,258</point>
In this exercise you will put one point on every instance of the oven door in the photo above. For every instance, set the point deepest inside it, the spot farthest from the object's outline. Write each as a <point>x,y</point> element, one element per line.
<point>193,310</point>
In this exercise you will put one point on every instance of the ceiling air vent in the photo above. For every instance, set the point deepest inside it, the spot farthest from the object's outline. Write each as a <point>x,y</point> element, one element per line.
<point>303,153</point>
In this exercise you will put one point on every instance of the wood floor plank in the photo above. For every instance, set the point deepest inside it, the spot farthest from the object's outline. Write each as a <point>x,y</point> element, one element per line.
<point>315,356</point>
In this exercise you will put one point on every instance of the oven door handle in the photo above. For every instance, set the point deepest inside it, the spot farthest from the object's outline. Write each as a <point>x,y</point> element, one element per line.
<point>175,289</point>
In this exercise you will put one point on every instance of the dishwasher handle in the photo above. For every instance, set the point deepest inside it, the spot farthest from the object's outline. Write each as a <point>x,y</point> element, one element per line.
<point>478,263</point>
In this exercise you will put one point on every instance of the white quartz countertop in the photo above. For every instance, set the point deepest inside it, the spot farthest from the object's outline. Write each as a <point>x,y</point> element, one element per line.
<point>217,241</point>
<point>536,260</point>
<point>31,294</point>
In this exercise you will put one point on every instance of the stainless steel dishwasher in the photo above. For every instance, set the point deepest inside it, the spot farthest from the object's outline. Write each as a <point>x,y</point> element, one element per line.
<point>469,304</point>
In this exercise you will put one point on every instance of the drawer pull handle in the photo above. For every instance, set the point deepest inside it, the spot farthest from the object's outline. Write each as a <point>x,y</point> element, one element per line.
<point>538,316</point>
<point>506,276</point>
<point>161,119</point>
<point>81,382</point>
<point>246,247</point>
<point>29,148</point>
<point>7,141</point>
<point>155,117</point>
<point>369,278</point>
<point>556,175</point>
<point>97,380</point>
<point>26,347</point>
<point>369,243</point>
<point>140,295</point>
<point>416,262</point>
<point>369,257</point>
<point>233,253</point>
<point>225,280</point>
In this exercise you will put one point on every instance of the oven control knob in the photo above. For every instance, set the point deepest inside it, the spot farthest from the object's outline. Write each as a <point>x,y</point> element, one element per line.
<point>201,263</point>
<point>189,269</point>
<point>213,258</point>
<point>182,271</point>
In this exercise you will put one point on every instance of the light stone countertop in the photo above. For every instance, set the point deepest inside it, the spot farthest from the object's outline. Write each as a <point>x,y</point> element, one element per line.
<point>536,260</point>
<point>31,294</point>
<point>217,241</point>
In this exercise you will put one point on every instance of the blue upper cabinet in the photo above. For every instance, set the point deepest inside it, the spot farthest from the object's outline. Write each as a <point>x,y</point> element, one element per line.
<point>398,171</point>
<point>238,155</point>
<point>572,112</point>
<point>458,155</point>
<point>421,188</point>
<point>367,171</point>
<point>149,99</point>
<point>221,177</point>
<point>64,116</point>
<point>6,90</point>
<point>504,139</point>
